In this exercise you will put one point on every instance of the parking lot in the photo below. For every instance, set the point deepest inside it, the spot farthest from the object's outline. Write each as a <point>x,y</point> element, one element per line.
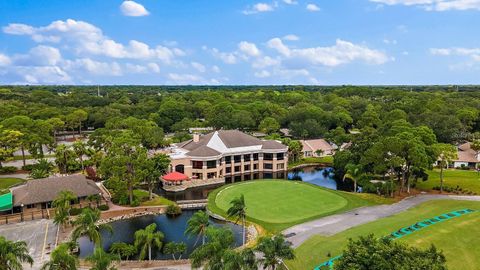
<point>39,235</point>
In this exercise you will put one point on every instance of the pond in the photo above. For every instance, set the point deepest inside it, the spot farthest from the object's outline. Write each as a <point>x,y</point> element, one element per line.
<point>320,176</point>
<point>172,228</point>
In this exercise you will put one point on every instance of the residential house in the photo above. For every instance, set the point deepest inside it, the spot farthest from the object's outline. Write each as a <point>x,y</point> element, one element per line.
<point>466,157</point>
<point>317,148</point>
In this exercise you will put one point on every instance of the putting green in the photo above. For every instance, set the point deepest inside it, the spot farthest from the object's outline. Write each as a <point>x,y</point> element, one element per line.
<point>278,204</point>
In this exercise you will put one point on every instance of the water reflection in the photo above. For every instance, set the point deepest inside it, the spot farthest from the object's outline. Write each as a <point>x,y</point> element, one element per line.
<point>172,228</point>
<point>320,176</point>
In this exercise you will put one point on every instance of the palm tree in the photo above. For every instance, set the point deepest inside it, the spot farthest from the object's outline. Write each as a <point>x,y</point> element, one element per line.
<point>80,150</point>
<point>86,224</point>
<point>123,250</point>
<point>274,251</point>
<point>102,260</point>
<point>61,259</point>
<point>244,260</point>
<point>62,206</point>
<point>353,172</point>
<point>446,153</point>
<point>211,255</point>
<point>197,225</point>
<point>238,209</point>
<point>13,254</point>
<point>146,239</point>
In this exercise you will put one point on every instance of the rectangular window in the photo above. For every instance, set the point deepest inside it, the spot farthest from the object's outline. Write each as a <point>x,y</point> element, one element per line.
<point>228,159</point>
<point>237,158</point>
<point>280,166</point>
<point>255,166</point>
<point>211,164</point>
<point>268,156</point>
<point>246,168</point>
<point>255,156</point>
<point>280,156</point>
<point>246,157</point>
<point>228,169</point>
<point>237,168</point>
<point>267,166</point>
<point>211,175</point>
<point>197,164</point>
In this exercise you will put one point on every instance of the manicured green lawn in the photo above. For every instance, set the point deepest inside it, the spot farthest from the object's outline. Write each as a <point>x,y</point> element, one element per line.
<point>469,180</point>
<point>328,160</point>
<point>458,237</point>
<point>8,182</point>
<point>279,204</point>
<point>143,197</point>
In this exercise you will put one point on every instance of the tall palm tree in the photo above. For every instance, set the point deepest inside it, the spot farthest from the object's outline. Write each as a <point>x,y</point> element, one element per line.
<point>62,204</point>
<point>238,210</point>
<point>146,239</point>
<point>62,259</point>
<point>353,172</point>
<point>80,150</point>
<point>102,260</point>
<point>211,255</point>
<point>446,153</point>
<point>274,251</point>
<point>13,254</point>
<point>197,225</point>
<point>86,224</point>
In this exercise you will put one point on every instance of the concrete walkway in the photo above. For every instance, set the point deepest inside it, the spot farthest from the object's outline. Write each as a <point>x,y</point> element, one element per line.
<point>334,224</point>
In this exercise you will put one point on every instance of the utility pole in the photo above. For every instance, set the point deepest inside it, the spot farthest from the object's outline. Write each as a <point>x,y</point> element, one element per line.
<point>98,90</point>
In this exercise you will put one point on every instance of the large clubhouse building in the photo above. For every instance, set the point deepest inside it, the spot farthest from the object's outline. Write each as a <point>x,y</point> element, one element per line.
<point>230,155</point>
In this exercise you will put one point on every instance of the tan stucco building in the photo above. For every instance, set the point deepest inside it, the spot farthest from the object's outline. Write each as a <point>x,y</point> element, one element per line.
<point>230,155</point>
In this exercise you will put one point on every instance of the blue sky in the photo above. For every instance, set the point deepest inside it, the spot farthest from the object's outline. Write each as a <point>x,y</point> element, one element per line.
<point>240,42</point>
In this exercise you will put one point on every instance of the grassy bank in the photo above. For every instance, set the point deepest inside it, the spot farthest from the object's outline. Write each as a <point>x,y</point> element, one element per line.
<point>457,237</point>
<point>466,179</point>
<point>327,160</point>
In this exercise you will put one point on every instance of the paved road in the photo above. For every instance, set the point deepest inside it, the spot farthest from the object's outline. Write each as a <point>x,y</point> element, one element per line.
<point>15,175</point>
<point>337,223</point>
<point>39,235</point>
<point>19,163</point>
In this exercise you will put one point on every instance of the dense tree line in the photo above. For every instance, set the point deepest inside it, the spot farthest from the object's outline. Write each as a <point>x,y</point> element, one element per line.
<point>308,111</point>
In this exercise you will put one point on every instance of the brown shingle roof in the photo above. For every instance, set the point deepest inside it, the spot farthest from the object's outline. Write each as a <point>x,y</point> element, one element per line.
<point>235,138</point>
<point>231,139</point>
<point>46,189</point>
<point>273,145</point>
<point>203,151</point>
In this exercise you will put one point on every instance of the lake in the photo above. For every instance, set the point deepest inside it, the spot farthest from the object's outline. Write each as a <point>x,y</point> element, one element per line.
<point>172,228</point>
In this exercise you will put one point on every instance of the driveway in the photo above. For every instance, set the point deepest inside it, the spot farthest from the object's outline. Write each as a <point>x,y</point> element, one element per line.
<point>337,223</point>
<point>39,236</point>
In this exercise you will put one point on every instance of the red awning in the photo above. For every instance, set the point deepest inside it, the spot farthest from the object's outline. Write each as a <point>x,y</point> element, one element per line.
<point>174,177</point>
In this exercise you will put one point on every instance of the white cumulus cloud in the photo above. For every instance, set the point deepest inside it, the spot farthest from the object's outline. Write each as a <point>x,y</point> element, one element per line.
<point>248,48</point>
<point>313,7</point>
<point>258,8</point>
<point>133,9</point>
<point>4,60</point>
<point>341,53</point>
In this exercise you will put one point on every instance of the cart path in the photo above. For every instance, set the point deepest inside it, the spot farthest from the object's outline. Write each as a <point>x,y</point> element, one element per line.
<point>334,224</point>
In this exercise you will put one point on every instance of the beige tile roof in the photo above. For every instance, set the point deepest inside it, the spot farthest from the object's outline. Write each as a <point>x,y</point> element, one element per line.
<point>466,154</point>
<point>46,189</point>
<point>314,145</point>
